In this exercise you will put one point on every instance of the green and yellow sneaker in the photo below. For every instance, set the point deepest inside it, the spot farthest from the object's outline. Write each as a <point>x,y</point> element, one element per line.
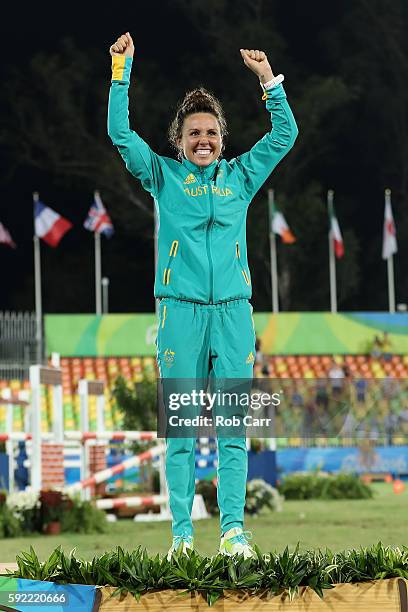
<point>181,544</point>
<point>235,542</point>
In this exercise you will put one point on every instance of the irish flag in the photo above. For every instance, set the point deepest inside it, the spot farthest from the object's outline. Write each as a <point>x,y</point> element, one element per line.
<point>49,225</point>
<point>279,225</point>
<point>335,233</point>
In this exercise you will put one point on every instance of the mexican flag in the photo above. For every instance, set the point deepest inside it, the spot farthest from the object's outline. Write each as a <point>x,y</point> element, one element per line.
<point>335,233</point>
<point>279,225</point>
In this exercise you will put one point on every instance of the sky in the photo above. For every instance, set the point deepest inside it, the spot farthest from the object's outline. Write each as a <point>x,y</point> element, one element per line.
<point>91,25</point>
<point>162,34</point>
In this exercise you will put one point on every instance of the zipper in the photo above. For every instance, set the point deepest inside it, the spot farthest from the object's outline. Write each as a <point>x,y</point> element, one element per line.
<point>172,253</point>
<point>244,274</point>
<point>208,242</point>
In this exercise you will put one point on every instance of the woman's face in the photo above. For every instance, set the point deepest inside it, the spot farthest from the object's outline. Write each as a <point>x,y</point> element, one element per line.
<point>201,138</point>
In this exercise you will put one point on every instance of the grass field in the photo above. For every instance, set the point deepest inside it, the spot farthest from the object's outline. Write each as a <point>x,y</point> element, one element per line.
<point>314,524</point>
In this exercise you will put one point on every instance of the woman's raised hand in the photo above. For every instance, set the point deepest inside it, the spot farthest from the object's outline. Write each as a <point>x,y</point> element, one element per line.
<point>123,46</point>
<point>258,63</point>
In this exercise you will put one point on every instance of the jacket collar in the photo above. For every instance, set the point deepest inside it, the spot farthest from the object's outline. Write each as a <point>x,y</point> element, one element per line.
<point>204,171</point>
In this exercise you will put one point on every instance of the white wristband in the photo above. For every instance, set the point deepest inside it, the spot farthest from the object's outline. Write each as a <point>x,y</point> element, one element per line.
<point>273,82</point>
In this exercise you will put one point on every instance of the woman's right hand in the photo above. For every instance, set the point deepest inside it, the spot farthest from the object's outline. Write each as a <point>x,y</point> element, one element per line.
<point>123,46</point>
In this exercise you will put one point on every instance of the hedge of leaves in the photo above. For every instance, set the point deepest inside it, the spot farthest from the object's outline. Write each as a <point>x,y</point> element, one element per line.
<point>316,485</point>
<point>270,573</point>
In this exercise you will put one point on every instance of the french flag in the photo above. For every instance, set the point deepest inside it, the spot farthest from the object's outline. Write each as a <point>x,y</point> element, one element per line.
<point>49,225</point>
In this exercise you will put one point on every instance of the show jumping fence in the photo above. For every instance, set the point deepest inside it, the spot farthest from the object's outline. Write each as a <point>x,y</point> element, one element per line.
<point>46,451</point>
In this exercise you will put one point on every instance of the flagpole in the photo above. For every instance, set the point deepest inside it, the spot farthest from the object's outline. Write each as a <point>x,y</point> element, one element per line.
<point>98,270</point>
<point>390,266</point>
<point>37,285</point>
<point>332,259</point>
<point>273,256</point>
<point>391,286</point>
<point>98,274</point>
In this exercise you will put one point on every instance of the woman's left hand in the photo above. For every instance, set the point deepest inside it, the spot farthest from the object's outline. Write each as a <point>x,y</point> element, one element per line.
<point>258,63</point>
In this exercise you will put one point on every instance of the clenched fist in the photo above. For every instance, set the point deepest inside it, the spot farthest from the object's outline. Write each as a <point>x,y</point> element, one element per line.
<point>123,46</point>
<point>258,63</point>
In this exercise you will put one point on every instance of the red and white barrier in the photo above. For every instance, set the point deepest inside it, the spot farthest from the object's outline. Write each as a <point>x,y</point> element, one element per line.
<point>20,436</point>
<point>110,435</point>
<point>130,502</point>
<point>104,475</point>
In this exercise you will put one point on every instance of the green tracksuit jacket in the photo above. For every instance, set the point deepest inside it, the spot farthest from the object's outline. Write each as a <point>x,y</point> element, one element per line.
<point>202,255</point>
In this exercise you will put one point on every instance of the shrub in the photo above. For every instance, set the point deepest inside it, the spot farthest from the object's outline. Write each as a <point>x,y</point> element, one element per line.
<point>9,524</point>
<point>54,505</point>
<point>25,506</point>
<point>262,496</point>
<point>267,574</point>
<point>346,486</point>
<point>83,517</point>
<point>137,402</point>
<point>208,490</point>
<point>319,486</point>
<point>28,511</point>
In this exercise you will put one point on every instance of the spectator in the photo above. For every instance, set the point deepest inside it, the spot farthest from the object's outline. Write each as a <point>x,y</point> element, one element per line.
<point>390,422</point>
<point>261,361</point>
<point>297,396</point>
<point>258,352</point>
<point>336,375</point>
<point>403,421</point>
<point>376,348</point>
<point>361,388</point>
<point>322,396</point>
<point>386,346</point>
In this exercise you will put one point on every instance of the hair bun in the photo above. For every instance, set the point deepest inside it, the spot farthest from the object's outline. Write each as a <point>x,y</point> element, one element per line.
<point>198,100</point>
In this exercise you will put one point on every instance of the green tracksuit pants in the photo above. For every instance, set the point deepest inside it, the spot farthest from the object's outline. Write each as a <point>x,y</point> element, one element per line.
<point>198,342</point>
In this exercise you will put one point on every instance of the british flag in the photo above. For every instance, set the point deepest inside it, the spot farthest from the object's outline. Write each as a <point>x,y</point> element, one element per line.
<point>98,219</point>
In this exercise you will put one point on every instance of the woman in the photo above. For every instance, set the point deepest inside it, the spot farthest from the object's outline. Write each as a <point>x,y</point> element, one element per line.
<point>202,278</point>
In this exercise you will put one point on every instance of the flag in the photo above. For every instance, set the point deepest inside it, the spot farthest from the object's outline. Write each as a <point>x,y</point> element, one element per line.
<point>49,225</point>
<point>335,233</point>
<point>98,219</point>
<point>279,225</point>
<point>390,235</point>
<point>5,237</point>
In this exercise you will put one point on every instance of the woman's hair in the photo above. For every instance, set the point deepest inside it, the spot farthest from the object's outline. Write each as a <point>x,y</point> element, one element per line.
<point>197,100</point>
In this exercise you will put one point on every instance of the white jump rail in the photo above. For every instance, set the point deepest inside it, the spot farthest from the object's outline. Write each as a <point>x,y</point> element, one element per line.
<point>130,502</point>
<point>104,475</point>
<point>20,436</point>
<point>78,436</point>
<point>110,435</point>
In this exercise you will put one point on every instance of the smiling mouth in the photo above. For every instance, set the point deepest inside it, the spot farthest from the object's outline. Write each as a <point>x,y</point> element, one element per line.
<point>203,152</point>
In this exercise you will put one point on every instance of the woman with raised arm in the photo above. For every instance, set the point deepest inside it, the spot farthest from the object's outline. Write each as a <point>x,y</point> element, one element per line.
<point>205,326</point>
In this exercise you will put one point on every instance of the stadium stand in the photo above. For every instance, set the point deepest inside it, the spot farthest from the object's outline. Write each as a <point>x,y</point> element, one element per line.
<point>386,380</point>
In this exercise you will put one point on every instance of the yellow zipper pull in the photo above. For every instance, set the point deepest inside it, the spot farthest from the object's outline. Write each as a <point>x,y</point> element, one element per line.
<point>174,246</point>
